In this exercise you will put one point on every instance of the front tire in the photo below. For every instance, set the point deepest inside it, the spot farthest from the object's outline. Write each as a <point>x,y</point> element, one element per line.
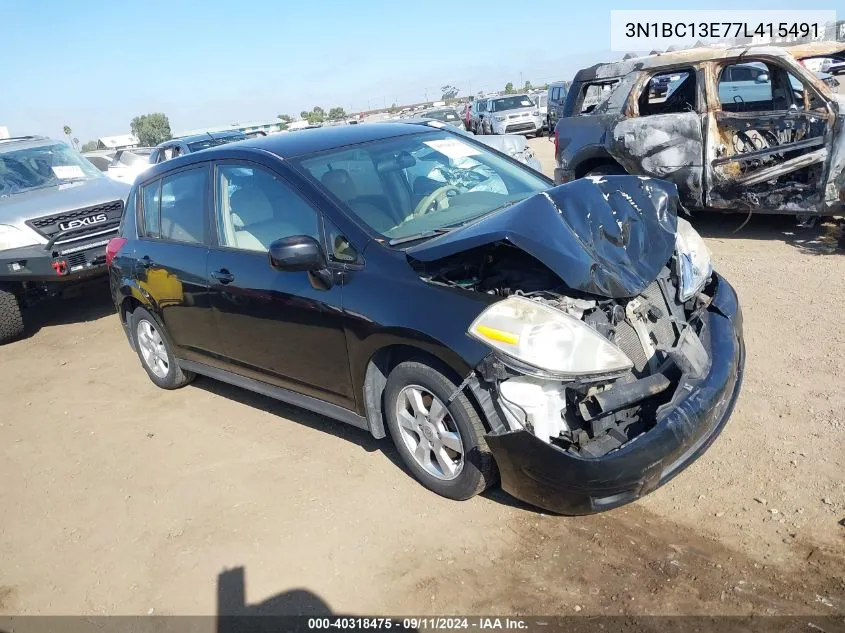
<point>11,319</point>
<point>442,445</point>
<point>156,352</point>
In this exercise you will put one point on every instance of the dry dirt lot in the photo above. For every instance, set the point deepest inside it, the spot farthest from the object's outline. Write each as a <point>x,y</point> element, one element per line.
<point>118,497</point>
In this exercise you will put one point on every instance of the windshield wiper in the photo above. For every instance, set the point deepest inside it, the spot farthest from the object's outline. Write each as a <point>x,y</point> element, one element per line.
<point>418,236</point>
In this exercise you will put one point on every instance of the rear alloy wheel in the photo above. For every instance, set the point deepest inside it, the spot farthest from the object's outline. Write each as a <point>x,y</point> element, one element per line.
<point>11,319</point>
<point>442,445</point>
<point>156,353</point>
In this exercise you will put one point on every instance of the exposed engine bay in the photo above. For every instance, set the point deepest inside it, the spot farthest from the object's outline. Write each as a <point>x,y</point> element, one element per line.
<point>595,415</point>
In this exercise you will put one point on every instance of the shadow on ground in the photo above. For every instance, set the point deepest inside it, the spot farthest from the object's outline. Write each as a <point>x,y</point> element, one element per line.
<point>290,610</point>
<point>290,413</point>
<point>826,237</point>
<point>87,302</point>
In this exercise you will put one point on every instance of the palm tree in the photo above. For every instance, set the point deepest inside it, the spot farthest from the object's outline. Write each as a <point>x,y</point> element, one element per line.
<point>68,132</point>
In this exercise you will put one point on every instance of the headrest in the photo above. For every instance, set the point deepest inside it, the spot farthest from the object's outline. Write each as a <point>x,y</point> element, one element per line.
<point>339,182</point>
<point>251,205</point>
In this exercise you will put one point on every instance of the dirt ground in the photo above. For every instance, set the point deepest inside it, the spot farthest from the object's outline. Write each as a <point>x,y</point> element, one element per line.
<point>120,498</point>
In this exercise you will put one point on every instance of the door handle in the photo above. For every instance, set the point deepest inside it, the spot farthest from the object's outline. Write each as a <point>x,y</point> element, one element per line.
<point>145,261</point>
<point>223,276</point>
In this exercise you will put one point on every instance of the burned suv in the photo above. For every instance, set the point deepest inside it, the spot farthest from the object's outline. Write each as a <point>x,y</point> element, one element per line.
<point>57,213</point>
<point>739,129</point>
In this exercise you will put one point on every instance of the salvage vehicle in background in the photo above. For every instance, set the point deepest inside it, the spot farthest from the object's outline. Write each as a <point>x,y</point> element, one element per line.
<point>479,109</point>
<point>189,144</point>
<point>447,115</point>
<point>512,114</point>
<point>514,145</point>
<point>739,129</point>
<point>406,279</point>
<point>57,212</point>
<point>556,97</point>
<point>128,164</point>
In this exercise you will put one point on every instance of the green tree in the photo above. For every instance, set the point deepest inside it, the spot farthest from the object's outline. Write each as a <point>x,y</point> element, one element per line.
<point>151,129</point>
<point>286,118</point>
<point>66,129</point>
<point>449,92</point>
<point>509,88</point>
<point>90,146</point>
<point>317,115</point>
<point>527,86</point>
<point>336,114</point>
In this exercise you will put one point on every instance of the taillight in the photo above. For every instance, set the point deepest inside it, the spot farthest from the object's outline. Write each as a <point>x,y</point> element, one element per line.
<point>112,248</point>
<point>557,142</point>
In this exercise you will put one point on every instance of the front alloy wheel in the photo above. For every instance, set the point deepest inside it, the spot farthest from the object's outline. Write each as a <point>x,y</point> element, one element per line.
<point>429,432</point>
<point>442,443</point>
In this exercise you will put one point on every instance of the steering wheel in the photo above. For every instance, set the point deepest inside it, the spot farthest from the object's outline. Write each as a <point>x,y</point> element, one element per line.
<point>439,196</point>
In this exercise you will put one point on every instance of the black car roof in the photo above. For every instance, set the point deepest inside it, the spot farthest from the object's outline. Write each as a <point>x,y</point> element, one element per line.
<point>201,137</point>
<point>301,142</point>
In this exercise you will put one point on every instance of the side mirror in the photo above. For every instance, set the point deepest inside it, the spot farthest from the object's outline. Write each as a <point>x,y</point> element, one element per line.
<point>762,78</point>
<point>297,252</point>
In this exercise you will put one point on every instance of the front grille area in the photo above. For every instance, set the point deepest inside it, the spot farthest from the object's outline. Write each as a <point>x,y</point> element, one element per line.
<point>49,226</point>
<point>519,127</point>
<point>663,331</point>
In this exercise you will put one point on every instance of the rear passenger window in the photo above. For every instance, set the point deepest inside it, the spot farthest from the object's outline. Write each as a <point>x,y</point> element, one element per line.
<point>668,93</point>
<point>151,211</point>
<point>593,94</point>
<point>183,206</point>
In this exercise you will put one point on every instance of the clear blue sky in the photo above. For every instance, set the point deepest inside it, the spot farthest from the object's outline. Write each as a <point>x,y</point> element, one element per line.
<point>95,64</point>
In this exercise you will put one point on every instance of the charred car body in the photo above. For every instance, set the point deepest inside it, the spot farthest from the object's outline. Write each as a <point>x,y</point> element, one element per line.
<point>740,129</point>
<point>407,279</point>
<point>57,212</point>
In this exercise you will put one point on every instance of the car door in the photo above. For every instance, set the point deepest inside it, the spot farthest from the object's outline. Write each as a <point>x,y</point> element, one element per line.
<point>284,328</point>
<point>553,106</point>
<point>769,128</point>
<point>662,136</point>
<point>171,259</point>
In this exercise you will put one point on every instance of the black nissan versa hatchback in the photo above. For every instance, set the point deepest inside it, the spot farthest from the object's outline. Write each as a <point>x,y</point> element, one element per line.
<point>573,341</point>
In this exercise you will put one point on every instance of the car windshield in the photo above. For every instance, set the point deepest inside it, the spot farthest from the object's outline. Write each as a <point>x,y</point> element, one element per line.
<point>410,185</point>
<point>442,115</point>
<point>129,158</point>
<point>45,166</point>
<point>213,142</point>
<point>511,103</point>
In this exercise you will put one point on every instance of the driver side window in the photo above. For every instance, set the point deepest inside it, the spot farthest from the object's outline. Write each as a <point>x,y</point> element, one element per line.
<point>254,208</point>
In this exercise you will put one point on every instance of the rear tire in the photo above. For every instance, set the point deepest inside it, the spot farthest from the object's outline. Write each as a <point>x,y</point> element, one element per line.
<point>156,352</point>
<point>606,170</point>
<point>442,445</point>
<point>11,319</point>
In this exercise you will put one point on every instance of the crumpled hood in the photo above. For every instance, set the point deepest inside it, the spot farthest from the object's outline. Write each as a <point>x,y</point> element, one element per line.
<point>606,236</point>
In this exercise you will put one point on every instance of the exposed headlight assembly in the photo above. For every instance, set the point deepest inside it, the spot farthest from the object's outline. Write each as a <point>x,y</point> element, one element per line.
<point>694,260</point>
<point>12,237</point>
<point>539,340</point>
<point>498,118</point>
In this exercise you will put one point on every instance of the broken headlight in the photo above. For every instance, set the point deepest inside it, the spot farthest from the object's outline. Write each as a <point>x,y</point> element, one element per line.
<point>694,263</point>
<point>547,339</point>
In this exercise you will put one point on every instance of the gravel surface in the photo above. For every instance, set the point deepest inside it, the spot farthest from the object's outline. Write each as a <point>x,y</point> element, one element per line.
<point>119,497</point>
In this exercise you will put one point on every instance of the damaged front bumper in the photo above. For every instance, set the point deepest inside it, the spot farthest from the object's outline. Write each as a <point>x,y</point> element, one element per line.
<point>547,476</point>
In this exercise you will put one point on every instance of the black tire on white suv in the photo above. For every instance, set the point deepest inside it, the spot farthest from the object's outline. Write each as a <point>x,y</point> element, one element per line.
<point>11,320</point>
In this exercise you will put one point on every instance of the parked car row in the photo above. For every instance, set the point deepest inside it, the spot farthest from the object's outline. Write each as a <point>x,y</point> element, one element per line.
<point>516,114</point>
